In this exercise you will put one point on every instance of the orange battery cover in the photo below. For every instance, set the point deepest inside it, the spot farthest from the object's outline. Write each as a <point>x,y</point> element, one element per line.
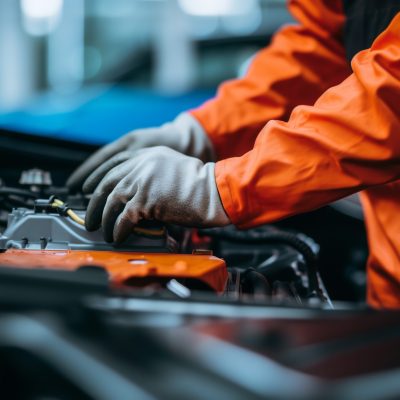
<point>126,268</point>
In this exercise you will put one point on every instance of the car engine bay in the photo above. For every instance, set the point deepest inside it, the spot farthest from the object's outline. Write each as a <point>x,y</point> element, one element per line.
<point>171,309</point>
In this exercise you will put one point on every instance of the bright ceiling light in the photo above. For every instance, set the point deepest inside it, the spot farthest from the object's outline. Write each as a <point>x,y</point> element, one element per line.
<point>41,9</point>
<point>40,17</point>
<point>209,8</point>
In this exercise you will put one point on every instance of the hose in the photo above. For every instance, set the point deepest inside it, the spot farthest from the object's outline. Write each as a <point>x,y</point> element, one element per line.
<point>258,283</point>
<point>5,191</point>
<point>290,239</point>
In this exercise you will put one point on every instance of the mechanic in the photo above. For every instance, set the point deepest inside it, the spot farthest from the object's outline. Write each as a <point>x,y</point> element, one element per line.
<point>315,119</point>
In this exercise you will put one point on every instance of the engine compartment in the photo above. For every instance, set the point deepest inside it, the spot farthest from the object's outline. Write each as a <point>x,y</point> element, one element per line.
<point>174,312</point>
<point>50,233</point>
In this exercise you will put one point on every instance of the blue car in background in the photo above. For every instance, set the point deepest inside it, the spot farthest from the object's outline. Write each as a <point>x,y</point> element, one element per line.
<point>99,114</point>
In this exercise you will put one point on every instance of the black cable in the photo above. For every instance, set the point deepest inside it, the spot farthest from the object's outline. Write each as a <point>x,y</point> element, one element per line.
<point>17,192</point>
<point>11,197</point>
<point>257,281</point>
<point>290,239</point>
<point>12,201</point>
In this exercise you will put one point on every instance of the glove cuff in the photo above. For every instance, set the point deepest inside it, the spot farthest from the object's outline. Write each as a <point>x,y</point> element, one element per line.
<point>194,141</point>
<point>211,203</point>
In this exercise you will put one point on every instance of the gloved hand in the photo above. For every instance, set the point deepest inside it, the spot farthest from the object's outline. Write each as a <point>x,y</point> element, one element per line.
<point>154,184</point>
<point>184,134</point>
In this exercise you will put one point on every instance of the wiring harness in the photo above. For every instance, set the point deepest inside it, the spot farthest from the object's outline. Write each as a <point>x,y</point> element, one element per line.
<point>53,204</point>
<point>274,237</point>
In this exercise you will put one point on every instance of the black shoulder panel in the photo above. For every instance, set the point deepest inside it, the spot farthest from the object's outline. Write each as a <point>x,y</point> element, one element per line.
<point>365,20</point>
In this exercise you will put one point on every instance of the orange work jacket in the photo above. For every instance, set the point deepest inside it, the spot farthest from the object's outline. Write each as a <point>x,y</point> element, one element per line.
<point>304,128</point>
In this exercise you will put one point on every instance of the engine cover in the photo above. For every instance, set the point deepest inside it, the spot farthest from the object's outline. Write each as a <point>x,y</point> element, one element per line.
<point>30,230</point>
<point>35,239</point>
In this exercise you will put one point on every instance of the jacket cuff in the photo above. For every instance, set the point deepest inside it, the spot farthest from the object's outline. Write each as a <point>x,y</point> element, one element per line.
<point>224,191</point>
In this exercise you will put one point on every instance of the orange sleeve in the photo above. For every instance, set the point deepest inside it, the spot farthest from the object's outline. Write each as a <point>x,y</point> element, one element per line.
<point>301,62</point>
<point>349,140</point>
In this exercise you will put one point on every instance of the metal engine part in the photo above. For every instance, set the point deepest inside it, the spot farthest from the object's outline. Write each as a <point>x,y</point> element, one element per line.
<point>30,230</point>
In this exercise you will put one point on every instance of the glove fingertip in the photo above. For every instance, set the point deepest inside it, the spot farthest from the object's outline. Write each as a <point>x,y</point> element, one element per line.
<point>122,229</point>
<point>108,236</point>
<point>120,237</point>
<point>88,187</point>
<point>77,177</point>
<point>91,225</point>
<point>73,182</point>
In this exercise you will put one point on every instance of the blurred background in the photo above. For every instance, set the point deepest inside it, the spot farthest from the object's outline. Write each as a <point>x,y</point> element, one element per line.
<point>91,70</point>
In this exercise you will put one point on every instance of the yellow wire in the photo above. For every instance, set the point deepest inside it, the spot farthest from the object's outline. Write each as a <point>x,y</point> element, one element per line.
<point>58,203</point>
<point>76,217</point>
<point>138,230</point>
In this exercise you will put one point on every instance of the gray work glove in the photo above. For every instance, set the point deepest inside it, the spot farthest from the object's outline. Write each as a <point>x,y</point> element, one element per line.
<point>157,183</point>
<point>184,134</point>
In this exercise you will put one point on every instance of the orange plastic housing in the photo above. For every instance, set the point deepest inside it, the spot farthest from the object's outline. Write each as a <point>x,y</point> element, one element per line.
<point>124,268</point>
